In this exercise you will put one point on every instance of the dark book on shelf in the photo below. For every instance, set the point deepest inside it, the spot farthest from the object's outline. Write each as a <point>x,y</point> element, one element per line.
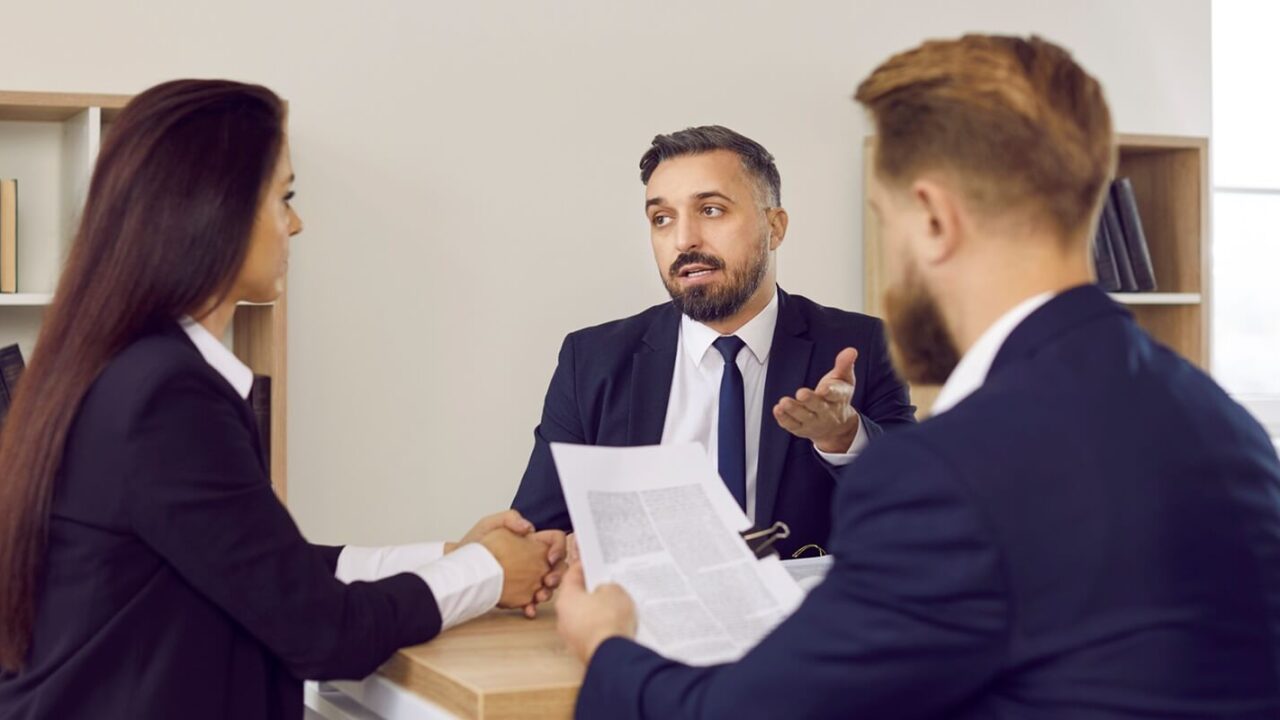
<point>11,366</point>
<point>260,401</point>
<point>1104,260</point>
<point>1119,245</point>
<point>1135,239</point>
<point>8,236</point>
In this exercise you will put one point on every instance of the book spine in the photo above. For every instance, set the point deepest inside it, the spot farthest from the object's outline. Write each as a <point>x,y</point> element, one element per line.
<point>6,399</point>
<point>8,236</point>
<point>11,366</point>
<point>1104,260</point>
<point>1119,246</point>
<point>1134,236</point>
<point>260,401</point>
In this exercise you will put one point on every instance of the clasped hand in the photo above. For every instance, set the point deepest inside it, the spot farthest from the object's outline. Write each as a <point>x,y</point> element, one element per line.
<point>533,562</point>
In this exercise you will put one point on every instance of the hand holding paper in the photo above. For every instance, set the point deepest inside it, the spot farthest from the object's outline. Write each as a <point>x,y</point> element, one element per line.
<point>660,523</point>
<point>586,619</point>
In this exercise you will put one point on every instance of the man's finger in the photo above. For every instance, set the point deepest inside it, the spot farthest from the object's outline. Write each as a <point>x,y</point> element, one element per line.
<point>787,422</point>
<point>816,404</point>
<point>513,521</point>
<point>574,582</point>
<point>555,542</point>
<point>794,426</point>
<point>843,369</point>
<point>571,546</point>
<point>835,391</point>
<point>796,409</point>
<point>554,577</point>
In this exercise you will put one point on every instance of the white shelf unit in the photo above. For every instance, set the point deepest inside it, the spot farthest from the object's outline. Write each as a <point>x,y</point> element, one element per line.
<point>25,299</point>
<point>49,144</point>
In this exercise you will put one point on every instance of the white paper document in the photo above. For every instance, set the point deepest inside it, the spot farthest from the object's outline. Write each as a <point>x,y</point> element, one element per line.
<point>809,572</point>
<point>659,522</point>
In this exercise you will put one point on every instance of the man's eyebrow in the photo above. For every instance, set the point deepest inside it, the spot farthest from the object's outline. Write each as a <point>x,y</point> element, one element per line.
<point>714,193</point>
<point>704,195</point>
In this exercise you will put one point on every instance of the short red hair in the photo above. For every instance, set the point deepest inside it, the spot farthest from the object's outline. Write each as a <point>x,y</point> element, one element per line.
<point>1018,121</point>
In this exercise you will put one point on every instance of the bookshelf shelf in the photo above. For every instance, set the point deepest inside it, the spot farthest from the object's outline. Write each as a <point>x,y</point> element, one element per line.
<point>54,107</point>
<point>35,299</point>
<point>50,142</point>
<point>1157,298</point>
<point>25,299</point>
<point>1170,177</point>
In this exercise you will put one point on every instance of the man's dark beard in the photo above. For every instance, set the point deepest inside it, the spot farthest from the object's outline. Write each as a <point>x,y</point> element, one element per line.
<point>919,345</point>
<point>716,301</point>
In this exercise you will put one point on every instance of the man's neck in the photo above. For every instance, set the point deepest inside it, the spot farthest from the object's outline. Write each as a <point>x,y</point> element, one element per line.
<point>748,312</point>
<point>983,298</point>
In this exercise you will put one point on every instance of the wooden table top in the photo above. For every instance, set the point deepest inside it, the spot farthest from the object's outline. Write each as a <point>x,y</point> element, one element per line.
<point>501,665</point>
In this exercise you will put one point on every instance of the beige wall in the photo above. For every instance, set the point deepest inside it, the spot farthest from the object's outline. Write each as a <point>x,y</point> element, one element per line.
<point>467,173</point>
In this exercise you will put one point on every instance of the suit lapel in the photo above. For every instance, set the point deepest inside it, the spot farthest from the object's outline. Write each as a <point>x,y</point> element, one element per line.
<point>651,372</point>
<point>788,365</point>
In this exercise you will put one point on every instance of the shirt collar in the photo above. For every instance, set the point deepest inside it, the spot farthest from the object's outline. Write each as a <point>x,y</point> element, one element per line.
<point>971,371</point>
<point>757,334</point>
<point>236,373</point>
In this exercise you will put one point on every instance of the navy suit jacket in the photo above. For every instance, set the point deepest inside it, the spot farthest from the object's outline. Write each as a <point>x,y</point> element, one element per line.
<point>613,382</point>
<point>175,584</point>
<point>1094,534</point>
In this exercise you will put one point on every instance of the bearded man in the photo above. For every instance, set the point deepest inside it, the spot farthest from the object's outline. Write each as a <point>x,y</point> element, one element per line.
<point>780,391</point>
<point>1087,528</point>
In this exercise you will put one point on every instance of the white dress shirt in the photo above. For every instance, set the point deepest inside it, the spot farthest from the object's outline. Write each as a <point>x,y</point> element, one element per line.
<point>693,408</point>
<point>971,371</point>
<point>466,583</point>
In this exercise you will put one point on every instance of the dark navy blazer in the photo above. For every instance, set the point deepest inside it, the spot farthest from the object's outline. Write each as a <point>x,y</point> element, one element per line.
<point>1094,534</point>
<point>175,584</point>
<point>613,382</point>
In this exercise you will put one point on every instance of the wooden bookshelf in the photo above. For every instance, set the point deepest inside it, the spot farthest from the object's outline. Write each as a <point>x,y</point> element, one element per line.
<point>50,142</point>
<point>1170,178</point>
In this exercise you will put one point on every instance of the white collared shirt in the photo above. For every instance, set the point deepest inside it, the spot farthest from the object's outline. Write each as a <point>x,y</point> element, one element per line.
<point>971,371</point>
<point>693,407</point>
<point>466,583</point>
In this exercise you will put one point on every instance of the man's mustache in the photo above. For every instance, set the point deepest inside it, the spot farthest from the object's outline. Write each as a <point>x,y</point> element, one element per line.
<point>695,258</point>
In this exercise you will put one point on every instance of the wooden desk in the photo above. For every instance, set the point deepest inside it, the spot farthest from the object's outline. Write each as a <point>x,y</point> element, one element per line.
<point>502,665</point>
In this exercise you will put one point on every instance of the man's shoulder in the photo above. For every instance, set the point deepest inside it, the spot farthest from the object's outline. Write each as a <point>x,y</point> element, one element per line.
<point>626,331</point>
<point>824,319</point>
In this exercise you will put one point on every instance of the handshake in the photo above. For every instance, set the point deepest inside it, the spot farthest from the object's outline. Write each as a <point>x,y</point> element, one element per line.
<point>533,562</point>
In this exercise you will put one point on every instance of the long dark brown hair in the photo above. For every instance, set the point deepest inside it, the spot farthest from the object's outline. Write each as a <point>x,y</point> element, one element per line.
<point>165,230</point>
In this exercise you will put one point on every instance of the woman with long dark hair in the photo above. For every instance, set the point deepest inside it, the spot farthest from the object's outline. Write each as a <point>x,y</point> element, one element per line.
<point>146,567</point>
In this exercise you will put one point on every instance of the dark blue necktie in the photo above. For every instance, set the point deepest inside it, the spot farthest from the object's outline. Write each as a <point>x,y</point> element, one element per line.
<point>732,438</point>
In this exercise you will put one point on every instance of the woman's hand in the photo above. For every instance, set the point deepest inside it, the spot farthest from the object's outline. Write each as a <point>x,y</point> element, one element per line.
<point>510,519</point>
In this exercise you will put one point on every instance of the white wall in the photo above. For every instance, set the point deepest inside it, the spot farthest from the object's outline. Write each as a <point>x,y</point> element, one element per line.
<point>467,174</point>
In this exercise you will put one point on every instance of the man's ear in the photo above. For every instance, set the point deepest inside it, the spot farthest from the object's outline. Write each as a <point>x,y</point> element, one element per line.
<point>940,210</point>
<point>777,218</point>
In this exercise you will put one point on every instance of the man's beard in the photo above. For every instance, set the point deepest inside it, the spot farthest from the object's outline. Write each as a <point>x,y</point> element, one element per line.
<point>716,301</point>
<point>919,345</point>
